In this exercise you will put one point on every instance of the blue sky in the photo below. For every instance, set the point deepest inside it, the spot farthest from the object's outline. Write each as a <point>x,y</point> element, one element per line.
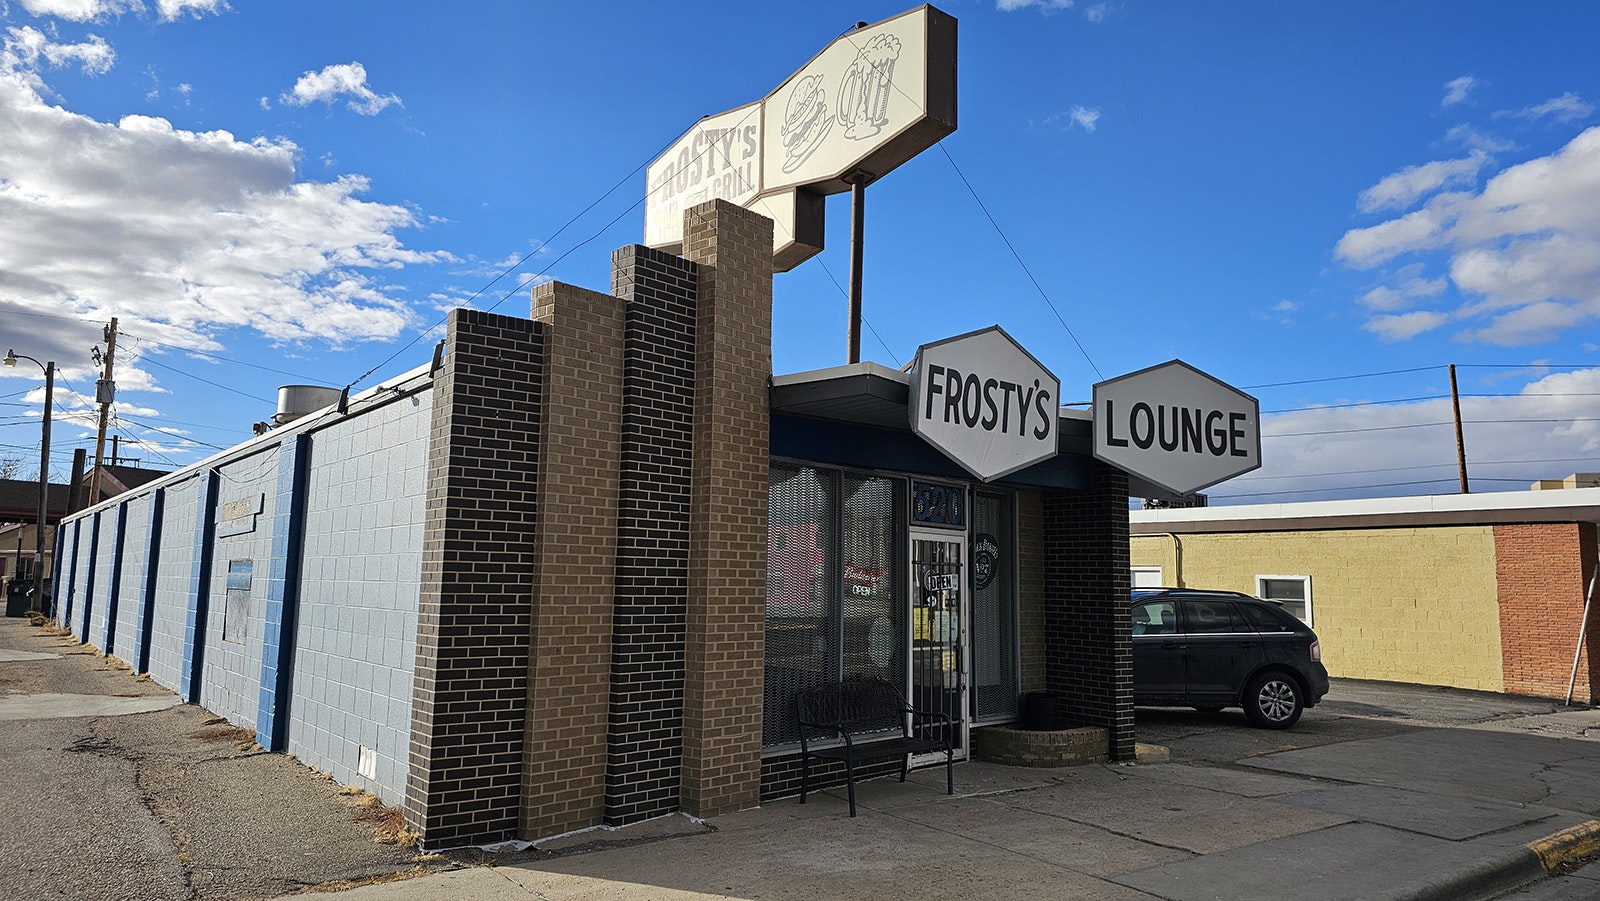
<point>1322,203</point>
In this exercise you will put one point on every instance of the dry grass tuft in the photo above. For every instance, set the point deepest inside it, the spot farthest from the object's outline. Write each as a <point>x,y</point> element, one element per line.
<point>221,733</point>
<point>344,885</point>
<point>388,823</point>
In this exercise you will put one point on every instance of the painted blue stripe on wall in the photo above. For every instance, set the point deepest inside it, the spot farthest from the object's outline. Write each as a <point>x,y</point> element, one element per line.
<point>283,592</point>
<point>116,578</point>
<point>88,578</point>
<point>55,576</point>
<point>144,621</point>
<point>194,628</point>
<point>72,576</point>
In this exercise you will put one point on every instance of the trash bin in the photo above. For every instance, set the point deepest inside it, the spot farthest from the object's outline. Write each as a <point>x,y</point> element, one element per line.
<point>17,597</point>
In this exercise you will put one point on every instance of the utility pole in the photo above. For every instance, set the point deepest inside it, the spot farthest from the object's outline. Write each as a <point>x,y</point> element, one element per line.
<point>105,391</point>
<point>1461,446</point>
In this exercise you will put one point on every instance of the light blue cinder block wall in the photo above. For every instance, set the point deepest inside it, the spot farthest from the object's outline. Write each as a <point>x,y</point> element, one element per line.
<point>230,682</point>
<point>171,601</point>
<point>349,618</point>
<point>133,572</point>
<point>355,643</point>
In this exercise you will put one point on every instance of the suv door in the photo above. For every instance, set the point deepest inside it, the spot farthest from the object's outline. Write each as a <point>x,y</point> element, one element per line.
<point>1223,650</point>
<point>1158,669</point>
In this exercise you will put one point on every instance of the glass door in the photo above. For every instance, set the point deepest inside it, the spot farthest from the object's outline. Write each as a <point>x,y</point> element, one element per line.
<point>938,678</point>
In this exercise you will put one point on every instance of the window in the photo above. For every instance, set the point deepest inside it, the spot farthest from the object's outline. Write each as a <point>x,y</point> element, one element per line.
<point>1293,592</point>
<point>1268,620</point>
<point>992,550</point>
<point>1155,618</point>
<point>236,615</point>
<point>1215,616</point>
<point>1145,576</point>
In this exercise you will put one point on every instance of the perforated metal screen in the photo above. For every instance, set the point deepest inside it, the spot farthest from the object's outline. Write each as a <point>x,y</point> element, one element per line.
<point>802,592</point>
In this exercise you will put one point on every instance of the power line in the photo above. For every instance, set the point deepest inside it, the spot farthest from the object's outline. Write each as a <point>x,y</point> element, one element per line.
<point>1025,269</point>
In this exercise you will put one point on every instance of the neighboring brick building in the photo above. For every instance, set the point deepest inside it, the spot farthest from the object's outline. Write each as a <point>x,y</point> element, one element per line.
<point>575,572</point>
<point>1479,591</point>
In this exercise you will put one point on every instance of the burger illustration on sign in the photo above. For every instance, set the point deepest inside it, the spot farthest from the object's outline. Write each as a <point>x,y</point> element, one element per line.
<point>805,122</point>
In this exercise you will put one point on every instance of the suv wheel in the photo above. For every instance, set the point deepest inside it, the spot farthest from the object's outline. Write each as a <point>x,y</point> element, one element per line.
<point>1273,701</point>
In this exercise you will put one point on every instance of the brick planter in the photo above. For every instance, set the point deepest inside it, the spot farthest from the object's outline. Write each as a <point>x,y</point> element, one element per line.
<point>1055,747</point>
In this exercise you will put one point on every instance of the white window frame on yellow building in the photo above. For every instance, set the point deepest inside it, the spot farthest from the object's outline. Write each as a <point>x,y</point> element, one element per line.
<point>1261,592</point>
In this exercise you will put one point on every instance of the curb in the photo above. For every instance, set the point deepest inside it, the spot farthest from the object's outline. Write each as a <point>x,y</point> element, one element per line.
<point>1533,861</point>
<point>1568,845</point>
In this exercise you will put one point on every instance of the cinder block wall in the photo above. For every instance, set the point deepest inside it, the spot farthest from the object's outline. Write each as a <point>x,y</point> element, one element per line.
<point>1432,589</point>
<point>1542,572</point>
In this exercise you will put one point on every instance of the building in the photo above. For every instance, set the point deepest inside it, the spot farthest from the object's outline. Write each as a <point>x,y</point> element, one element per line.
<point>1477,591</point>
<point>19,511</point>
<point>574,571</point>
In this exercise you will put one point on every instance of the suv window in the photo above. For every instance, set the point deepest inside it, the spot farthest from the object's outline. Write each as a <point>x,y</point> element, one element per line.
<point>1155,618</point>
<point>1268,620</point>
<point>1214,616</point>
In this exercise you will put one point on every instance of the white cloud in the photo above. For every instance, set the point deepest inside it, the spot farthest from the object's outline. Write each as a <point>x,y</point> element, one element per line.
<point>185,234</point>
<point>26,47</point>
<point>1098,12</point>
<point>1079,116</point>
<point>1007,6</point>
<point>333,82</point>
<point>96,10</point>
<point>1409,448</point>
<point>1401,189</point>
<point>1404,326</point>
<point>1569,107</point>
<point>1408,287</point>
<point>1457,89</point>
<point>1524,253</point>
<point>1473,139</point>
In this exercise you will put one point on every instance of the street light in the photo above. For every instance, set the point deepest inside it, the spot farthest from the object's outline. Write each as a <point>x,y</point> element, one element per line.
<point>44,471</point>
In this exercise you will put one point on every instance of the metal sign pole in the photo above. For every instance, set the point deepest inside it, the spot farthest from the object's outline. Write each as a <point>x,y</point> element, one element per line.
<point>1583,628</point>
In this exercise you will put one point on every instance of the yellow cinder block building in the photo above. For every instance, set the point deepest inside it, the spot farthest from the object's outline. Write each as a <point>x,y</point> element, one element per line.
<point>1476,591</point>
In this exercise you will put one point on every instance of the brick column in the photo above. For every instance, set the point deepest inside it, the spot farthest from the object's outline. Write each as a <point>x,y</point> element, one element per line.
<point>728,518</point>
<point>575,541</point>
<point>1088,634</point>
<point>644,772</point>
<point>473,624</point>
<point>1542,571</point>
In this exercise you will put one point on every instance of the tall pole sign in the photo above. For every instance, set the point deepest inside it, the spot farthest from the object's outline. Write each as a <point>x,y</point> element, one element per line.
<point>875,97</point>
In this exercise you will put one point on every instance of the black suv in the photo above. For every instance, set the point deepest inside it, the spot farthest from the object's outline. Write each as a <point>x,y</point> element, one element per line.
<point>1216,649</point>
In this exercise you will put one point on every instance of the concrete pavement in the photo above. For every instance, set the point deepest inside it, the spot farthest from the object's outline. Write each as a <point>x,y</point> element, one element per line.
<point>1370,800</point>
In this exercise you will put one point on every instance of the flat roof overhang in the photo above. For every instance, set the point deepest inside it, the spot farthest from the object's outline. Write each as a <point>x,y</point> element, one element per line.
<point>855,415</point>
<point>1577,505</point>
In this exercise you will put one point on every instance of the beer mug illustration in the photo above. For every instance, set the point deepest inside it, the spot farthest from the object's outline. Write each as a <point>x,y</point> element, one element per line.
<point>863,106</point>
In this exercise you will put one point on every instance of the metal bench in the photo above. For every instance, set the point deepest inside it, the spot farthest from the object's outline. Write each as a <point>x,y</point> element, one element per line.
<point>873,721</point>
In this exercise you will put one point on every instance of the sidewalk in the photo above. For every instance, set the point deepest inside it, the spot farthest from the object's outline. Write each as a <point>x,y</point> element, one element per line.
<point>130,795</point>
<point>1461,813</point>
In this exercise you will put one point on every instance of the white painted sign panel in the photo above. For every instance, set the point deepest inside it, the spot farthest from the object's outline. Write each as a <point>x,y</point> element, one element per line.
<point>985,403</point>
<point>873,98</point>
<point>1176,427</point>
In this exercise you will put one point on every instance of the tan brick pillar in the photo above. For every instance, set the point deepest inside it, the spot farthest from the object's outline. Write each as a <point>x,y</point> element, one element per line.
<point>575,542</point>
<point>728,512</point>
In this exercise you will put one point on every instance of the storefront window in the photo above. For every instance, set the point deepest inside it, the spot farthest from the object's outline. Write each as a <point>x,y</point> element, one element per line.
<point>994,608</point>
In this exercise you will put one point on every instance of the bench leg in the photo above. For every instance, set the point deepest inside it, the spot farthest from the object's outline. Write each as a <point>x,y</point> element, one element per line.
<point>850,782</point>
<point>949,772</point>
<point>805,771</point>
<point>905,764</point>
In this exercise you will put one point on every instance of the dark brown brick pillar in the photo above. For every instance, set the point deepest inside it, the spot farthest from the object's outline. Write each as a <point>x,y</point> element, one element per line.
<point>1088,633</point>
<point>575,543</point>
<point>470,697</point>
<point>728,521</point>
<point>644,767</point>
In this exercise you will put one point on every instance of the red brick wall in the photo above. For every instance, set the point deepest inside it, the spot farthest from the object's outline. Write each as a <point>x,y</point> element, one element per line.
<point>1542,572</point>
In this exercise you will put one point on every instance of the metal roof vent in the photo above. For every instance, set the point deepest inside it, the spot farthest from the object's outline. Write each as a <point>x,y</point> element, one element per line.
<point>295,401</point>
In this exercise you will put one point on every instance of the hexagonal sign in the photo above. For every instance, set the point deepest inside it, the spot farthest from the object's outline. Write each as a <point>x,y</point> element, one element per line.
<point>1176,427</point>
<point>985,403</point>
